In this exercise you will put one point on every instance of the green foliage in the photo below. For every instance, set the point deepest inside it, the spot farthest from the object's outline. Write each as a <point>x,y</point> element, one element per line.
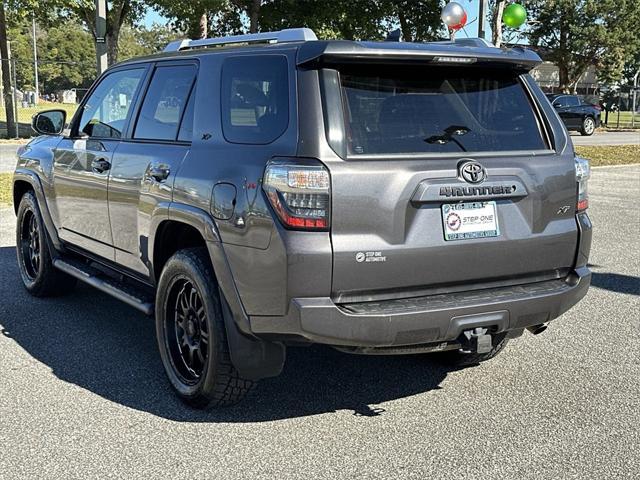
<point>356,19</point>
<point>136,41</point>
<point>580,33</point>
<point>348,19</point>
<point>66,57</point>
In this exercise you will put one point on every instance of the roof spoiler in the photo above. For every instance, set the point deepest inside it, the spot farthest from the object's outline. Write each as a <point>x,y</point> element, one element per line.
<point>461,51</point>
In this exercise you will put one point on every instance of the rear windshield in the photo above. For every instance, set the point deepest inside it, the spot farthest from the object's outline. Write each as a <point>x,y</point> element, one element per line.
<point>437,110</point>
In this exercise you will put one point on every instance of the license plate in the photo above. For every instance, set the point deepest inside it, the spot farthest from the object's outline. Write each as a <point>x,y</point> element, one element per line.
<point>470,220</point>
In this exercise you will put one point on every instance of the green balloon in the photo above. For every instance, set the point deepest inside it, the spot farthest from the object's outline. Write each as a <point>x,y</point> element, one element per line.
<point>514,15</point>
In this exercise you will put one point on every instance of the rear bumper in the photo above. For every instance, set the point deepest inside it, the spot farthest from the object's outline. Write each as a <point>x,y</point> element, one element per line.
<point>423,320</point>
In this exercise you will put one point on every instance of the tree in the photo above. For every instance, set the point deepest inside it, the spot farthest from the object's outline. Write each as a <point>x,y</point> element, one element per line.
<point>119,13</point>
<point>191,17</point>
<point>136,41</point>
<point>419,20</point>
<point>580,33</point>
<point>67,58</point>
<point>6,74</point>
<point>496,9</point>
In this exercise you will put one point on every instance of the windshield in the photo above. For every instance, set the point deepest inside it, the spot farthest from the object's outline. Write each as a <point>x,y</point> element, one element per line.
<point>437,110</point>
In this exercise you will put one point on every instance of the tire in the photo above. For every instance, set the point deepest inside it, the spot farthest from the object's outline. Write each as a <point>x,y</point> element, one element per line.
<point>191,333</point>
<point>588,126</point>
<point>460,359</point>
<point>39,276</point>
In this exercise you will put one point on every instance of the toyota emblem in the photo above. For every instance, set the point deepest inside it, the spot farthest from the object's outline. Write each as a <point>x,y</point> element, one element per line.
<point>472,172</point>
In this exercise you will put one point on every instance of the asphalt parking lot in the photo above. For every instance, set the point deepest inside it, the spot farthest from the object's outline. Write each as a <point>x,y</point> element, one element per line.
<point>83,394</point>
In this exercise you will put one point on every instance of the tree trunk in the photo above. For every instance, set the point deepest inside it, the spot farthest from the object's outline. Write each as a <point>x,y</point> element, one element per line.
<point>496,23</point>
<point>6,76</point>
<point>112,39</point>
<point>254,15</point>
<point>563,77</point>
<point>404,27</point>
<point>204,26</point>
<point>114,24</point>
<point>199,27</point>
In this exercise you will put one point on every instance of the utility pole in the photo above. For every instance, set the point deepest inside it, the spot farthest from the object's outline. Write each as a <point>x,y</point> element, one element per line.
<point>635,97</point>
<point>482,13</point>
<point>35,59</point>
<point>14,71</point>
<point>101,34</point>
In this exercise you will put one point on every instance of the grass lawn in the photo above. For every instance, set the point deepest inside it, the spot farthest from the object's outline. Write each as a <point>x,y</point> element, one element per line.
<point>625,119</point>
<point>610,154</point>
<point>5,189</point>
<point>25,114</point>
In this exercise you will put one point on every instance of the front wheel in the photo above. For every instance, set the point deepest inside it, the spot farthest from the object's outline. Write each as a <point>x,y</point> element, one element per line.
<point>39,276</point>
<point>191,333</point>
<point>588,126</point>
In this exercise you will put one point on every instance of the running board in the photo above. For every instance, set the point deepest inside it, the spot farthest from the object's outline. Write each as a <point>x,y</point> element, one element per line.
<point>126,293</point>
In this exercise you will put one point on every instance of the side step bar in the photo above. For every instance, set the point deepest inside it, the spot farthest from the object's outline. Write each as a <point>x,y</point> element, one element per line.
<point>94,277</point>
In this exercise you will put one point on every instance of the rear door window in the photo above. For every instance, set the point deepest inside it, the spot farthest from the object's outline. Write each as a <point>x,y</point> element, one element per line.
<point>437,110</point>
<point>165,102</point>
<point>255,98</point>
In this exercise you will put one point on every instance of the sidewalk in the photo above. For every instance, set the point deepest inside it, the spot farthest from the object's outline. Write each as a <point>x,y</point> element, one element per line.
<point>8,156</point>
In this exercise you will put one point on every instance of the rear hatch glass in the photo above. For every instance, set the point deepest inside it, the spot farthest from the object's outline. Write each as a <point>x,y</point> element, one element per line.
<point>415,110</point>
<point>397,228</point>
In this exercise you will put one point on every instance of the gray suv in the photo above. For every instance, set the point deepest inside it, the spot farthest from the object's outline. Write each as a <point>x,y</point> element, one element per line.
<point>272,190</point>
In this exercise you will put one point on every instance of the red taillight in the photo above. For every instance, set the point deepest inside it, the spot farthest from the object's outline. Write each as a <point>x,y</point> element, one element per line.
<point>583,172</point>
<point>582,204</point>
<point>598,107</point>
<point>299,192</point>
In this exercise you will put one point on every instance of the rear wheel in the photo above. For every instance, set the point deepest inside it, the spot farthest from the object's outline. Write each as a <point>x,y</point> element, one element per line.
<point>39,276</point>
<point>461,359</point>
<point>588,126</point>
<point>191,333</point>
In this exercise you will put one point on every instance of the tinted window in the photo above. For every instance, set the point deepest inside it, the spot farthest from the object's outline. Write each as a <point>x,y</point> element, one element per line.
<point>573,101</point>
<point>437,110</point>
<point>165,102</point>
<point>186,127</point>
<point>106,110</point>
<point>566,101</point>
<point>255,98</point>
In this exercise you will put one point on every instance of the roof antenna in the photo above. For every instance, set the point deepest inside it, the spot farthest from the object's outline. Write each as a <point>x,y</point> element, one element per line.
<point>394,36</point>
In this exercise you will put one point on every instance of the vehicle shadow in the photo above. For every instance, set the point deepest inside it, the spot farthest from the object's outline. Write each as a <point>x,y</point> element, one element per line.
<point>93,341</point>
<point>616,282</point>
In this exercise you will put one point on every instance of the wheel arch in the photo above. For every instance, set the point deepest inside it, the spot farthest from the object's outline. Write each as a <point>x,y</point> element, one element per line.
<point>185,226</point>
<point>25,181</point>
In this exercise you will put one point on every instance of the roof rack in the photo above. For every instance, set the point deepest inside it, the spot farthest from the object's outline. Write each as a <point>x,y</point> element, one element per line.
<point>282,36</point>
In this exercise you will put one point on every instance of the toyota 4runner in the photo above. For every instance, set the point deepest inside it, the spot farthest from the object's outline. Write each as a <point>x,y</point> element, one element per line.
<point>268,190</point>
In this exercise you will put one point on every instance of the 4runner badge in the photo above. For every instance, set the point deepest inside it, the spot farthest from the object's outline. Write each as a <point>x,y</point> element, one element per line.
<point>366,257</point>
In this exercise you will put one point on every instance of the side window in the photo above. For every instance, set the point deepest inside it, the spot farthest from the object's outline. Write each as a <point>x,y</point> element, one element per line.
<point>186,127</point>
<point>255,98</point>
<point>105,112</point>
<point>573,101</point>
<point>165,102</point>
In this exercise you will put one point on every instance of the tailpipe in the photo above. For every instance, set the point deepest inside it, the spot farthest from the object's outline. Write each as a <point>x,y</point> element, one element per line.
<point>537,329</point>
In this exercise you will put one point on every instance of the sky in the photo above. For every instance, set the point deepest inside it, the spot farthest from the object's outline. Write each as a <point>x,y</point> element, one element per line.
<point>471,6</point>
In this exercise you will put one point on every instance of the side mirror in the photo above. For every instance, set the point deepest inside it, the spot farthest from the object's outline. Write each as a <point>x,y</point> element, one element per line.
<point>49,122</point>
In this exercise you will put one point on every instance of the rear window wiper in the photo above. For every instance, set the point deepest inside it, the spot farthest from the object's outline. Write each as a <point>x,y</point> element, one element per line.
<point>449,135</point>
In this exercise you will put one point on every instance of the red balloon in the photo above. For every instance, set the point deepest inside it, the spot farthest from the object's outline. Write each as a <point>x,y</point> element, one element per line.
<point>459,25</point>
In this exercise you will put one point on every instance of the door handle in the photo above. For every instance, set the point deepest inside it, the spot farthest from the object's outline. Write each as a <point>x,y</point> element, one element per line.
<point>100,165</point>
<point>159,173</point>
